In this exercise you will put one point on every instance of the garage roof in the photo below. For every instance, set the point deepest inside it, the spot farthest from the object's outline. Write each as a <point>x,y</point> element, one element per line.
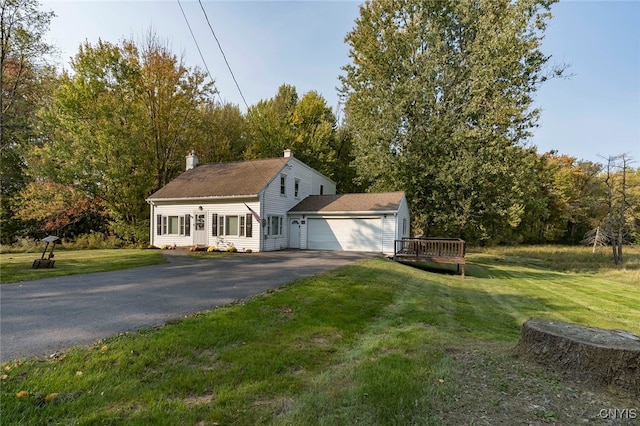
<point>222,179</point>
<point>368,202</point>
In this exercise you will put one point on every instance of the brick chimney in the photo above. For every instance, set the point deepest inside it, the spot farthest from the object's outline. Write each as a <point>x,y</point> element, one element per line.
<point>192,160</point>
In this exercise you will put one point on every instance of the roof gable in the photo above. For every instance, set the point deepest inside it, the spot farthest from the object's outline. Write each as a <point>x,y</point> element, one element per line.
<point>367,202</point>
<point>232,179</point>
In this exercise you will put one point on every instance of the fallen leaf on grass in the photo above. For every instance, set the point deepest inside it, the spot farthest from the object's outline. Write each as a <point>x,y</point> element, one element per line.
<point>50,397</point>
<point>22,394</point>
<point>79,373</point>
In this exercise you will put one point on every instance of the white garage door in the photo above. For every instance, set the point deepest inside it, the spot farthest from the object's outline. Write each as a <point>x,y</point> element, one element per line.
<point>353,234</point>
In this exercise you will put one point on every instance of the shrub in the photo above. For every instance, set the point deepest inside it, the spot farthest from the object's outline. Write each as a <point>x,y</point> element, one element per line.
<point>231,249</point>
<point>211,249</point>
<point>94,240</point>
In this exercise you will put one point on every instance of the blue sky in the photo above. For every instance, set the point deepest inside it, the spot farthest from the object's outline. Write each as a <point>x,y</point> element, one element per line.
<point>267,43</point>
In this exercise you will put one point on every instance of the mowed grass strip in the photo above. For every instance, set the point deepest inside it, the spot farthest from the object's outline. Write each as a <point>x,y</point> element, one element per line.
<point>371,343</point>
<point>16,267</point>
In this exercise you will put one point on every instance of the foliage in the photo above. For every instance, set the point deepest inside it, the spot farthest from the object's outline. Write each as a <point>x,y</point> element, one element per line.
<point>305,125</point>
<point>358,345</point>
<point>225,134</point>
<point>566,200</point>
<point>119,125</point>
<point>24,82</point>
<point>59,209</point>
<point>439,97</point>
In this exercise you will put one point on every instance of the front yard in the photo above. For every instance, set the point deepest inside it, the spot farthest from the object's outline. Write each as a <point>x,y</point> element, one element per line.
<point>375,342</point>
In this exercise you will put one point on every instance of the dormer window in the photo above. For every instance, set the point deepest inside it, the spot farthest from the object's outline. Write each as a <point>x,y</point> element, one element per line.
<point>283,184</point>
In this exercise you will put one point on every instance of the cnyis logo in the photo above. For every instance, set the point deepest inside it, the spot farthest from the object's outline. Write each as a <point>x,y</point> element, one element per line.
<point>619,413</point>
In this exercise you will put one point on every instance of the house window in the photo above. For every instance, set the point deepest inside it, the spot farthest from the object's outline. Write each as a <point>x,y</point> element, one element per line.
<point>274,225</point>
<point>296,188</point>
<point>283,184</point>
<point>173,225</point>
<point>199,223</point>
<point>321,189</point>
<point>231,225</point>
<point>404,226</point>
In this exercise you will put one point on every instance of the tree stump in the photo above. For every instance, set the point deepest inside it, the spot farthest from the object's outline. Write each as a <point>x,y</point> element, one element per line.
<point>604,357</point>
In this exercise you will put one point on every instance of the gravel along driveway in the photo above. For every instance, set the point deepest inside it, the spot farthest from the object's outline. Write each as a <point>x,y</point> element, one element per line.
<point>46,316</point>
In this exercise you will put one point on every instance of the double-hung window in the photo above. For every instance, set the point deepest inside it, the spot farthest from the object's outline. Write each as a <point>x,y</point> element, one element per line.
<point>274,225</point>
<point>231,225</point>
<point>173,225</point>
<point>283,185</point>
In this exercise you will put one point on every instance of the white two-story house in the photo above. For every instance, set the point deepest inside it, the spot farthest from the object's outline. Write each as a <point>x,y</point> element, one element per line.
<point>272,204</point>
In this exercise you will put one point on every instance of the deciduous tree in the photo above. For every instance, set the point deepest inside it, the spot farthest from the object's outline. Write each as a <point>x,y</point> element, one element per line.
<point>439,96</point>
<point>121,123</point>
<point>24,82</point>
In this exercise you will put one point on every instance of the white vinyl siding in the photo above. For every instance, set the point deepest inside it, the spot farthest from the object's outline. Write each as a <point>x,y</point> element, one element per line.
<point>215,213</point>
<point>298,180</point>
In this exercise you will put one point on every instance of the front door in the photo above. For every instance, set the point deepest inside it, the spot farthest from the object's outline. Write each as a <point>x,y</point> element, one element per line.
<point>199,229</point>
<point>294,233</point>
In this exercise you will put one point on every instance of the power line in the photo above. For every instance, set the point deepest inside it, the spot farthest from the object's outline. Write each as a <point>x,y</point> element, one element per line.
<point>223,55</point>
<point>200,51</point>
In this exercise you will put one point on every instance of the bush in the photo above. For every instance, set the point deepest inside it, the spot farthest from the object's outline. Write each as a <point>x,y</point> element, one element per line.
<point>211,249</point>
<point>231,249</point>
<point>22,245</point>
<point>93,241</point>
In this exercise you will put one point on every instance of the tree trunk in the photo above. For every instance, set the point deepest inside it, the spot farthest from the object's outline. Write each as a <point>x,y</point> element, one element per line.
<point>603,357</point>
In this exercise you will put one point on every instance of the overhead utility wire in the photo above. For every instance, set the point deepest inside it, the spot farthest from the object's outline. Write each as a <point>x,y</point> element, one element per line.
<point>200,52</point>
<point>223,55</point>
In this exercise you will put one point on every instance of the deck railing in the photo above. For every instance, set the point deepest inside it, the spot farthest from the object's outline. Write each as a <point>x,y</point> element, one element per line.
<point>439,250</point>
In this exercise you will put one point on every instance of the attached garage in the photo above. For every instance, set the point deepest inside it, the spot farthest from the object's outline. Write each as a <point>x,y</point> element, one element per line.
<point>351,234</point>
<point>351,222</point>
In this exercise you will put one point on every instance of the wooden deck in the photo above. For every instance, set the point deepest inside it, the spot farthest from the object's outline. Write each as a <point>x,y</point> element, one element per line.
<point>438,250</point>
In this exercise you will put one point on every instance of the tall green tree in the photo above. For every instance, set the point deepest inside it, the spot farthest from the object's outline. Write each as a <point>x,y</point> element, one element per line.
<point>439,96</point>
<point>24,82</point>
<point>121,123</point>
<point>225,134</point>
<point>305,125</point>
<point>566,201</point>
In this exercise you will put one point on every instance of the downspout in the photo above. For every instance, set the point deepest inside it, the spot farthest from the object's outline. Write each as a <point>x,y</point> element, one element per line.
<point>261,244</point>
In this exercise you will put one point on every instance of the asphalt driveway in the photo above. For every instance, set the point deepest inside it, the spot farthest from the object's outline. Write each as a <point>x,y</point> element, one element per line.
<point>46,316</point>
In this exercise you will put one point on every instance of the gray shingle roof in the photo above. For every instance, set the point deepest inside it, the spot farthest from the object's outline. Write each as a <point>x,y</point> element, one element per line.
<point>368,202</point>
<point>222,180</point>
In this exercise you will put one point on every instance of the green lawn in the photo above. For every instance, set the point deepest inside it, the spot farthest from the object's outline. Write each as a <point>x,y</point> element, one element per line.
<point>16,267</point>
<point>372,343</point>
